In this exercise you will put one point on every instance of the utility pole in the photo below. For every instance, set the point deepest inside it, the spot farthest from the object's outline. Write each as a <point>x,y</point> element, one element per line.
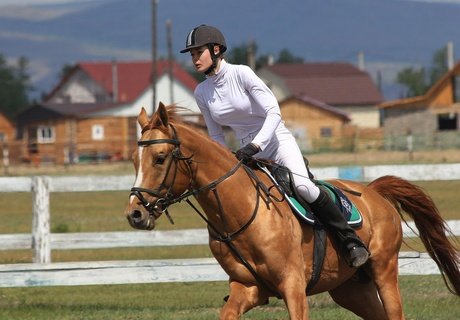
<point>450,55</point>
<point>170,60</point>
<point>251,55</point>
<point>154,54</point>
<point>361,64</point>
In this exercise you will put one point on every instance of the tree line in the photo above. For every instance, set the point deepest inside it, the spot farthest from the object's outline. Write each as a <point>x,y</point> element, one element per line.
<point>15,84</point>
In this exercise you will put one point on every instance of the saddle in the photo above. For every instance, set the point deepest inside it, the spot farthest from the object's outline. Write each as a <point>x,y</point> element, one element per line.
<point>282,177</point>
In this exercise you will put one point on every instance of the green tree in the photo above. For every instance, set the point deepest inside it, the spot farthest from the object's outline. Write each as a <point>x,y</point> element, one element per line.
<point>414,80</point>
<point>239,54</point>
<point>14,86</point>
<point>285,56</point>
<point>439,66</point>
<point>419,81</point>
<point>66,68</point>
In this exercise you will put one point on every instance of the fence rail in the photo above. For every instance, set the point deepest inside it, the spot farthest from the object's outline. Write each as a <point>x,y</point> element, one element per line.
<point>150,271</point>
<point>44,273</point>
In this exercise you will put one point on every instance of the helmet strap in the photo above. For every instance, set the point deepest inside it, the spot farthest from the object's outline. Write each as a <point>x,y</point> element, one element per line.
<point>214,58</point>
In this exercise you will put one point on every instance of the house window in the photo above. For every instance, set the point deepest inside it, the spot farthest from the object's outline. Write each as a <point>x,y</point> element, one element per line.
<point>45,134</point>
<point>2,137</point>
<point>97,132</point>
<point>326,132</point>
<point>447,121</point>
<point>456,88</point>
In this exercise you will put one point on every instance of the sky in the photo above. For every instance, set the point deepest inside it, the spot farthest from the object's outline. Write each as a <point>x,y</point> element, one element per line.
<point>35,2</point>
<point>42,71</point>
<point>67,1</point>
<point>39,2</point>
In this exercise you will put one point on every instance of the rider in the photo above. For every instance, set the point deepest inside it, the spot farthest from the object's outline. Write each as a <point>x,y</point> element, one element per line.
<point>234,96</point>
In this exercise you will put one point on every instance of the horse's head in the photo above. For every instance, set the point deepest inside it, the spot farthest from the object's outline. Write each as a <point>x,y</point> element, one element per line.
<point>162,171</point>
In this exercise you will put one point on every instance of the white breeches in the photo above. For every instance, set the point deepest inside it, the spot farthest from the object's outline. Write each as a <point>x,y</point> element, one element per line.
<point>283,149</point>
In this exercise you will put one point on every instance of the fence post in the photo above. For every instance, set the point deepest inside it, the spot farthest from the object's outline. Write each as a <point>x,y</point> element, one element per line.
<point>41,220</point>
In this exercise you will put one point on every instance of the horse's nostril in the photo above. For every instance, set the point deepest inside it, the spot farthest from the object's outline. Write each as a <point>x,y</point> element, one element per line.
<point>136,214</point>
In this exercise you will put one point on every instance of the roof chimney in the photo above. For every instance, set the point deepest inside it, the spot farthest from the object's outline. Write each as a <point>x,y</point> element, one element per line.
<point>114,81</point>
<point>270,60</point>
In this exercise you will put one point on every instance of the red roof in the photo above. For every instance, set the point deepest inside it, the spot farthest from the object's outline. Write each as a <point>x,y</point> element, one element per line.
<point>133,77</point>
<point>332,83</point>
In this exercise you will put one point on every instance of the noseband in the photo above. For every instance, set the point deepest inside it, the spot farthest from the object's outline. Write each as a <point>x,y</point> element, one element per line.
<point>164,199</point>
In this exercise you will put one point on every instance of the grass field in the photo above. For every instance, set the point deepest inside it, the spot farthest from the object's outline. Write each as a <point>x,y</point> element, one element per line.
<point>103,211</point>
<point>424,297</point>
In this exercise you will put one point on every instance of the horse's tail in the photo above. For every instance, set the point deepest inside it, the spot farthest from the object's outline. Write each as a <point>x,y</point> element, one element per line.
<point>432,228</point>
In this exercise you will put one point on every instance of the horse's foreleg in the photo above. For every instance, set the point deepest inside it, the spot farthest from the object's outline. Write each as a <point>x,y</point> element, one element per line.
<point>242,298</point>
<point>293,292</point>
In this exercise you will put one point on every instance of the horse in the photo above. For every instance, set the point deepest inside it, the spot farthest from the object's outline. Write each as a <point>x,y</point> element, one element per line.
<point>257,240</point>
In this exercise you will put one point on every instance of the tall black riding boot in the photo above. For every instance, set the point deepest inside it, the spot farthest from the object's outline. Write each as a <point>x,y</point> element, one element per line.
<point>328,213</point>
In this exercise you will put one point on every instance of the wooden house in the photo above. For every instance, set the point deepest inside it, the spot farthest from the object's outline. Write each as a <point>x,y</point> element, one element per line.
<point>128,85</point>
<point>433,118</point>
<point>336,84</point>
<point>7,129</point>
<point>71,133</point>
<point>91,115</point>
<point>9,148</point>
<point>314,124</point>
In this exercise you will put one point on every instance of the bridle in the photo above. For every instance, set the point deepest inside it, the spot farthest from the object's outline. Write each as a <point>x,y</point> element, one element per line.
<point>164,198</point>
<point>167,198</point>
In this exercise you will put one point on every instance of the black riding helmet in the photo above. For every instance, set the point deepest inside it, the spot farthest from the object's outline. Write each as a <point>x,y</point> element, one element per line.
<point>205,35</point>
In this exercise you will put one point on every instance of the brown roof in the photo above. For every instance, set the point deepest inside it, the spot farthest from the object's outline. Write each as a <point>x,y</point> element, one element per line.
<point>46,111</point>
<point>423,99</point>
<point>333,83</point>
<point>134,77</point>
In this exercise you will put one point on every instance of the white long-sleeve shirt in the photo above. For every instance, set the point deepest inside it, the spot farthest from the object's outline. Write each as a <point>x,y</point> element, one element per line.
<point>236,97</point>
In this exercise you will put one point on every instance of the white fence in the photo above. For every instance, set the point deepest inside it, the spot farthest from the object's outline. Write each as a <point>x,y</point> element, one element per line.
<point>42,272</point>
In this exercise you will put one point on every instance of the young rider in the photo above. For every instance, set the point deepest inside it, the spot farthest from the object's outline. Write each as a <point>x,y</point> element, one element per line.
<point>234,96</point>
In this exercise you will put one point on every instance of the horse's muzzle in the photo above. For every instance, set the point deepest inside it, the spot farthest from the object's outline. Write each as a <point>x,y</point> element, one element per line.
<point>140,220</point>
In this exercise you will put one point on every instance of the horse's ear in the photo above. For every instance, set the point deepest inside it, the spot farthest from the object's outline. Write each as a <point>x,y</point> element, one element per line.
<point>161,118</point>
<point>143,118</point>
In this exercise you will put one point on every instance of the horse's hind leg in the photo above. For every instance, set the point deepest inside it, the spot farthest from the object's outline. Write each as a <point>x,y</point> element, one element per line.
<point>385,275</point>
<point>241,299</point>
<point>361,298</point>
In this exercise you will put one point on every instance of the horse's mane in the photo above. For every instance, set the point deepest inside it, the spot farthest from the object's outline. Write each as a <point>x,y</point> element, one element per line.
<point>174,113</point>
<point>175,117</point>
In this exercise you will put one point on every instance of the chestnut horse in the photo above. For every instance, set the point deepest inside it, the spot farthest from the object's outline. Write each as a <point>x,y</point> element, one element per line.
<point>265,250</point>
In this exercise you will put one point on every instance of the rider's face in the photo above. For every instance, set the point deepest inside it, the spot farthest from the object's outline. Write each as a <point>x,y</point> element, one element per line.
<point>201,58</point>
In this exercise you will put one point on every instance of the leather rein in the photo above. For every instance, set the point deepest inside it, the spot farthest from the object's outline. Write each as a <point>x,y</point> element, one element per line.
<point>167,198</point>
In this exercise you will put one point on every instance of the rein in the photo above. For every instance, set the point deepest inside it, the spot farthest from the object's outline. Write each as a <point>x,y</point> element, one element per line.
<point>166,199</point>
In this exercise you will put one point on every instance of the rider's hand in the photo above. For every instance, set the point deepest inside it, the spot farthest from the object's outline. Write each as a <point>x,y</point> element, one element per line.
<point>245,153</point>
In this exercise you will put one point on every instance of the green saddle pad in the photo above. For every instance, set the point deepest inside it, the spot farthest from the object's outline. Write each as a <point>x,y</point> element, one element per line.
<point>349,210</point>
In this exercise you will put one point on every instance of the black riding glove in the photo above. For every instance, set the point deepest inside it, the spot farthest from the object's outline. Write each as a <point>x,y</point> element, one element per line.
<point>245,153</point>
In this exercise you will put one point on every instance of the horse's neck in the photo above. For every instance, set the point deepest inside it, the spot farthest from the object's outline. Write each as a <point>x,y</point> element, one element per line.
<point>211,160</point>
<point>224,203</point>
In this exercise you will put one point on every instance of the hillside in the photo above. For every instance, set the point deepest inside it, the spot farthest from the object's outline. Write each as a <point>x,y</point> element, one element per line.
<point>391,33</point>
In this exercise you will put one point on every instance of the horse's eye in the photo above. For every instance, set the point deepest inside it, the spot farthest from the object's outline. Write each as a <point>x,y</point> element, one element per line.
<point>160,159</point>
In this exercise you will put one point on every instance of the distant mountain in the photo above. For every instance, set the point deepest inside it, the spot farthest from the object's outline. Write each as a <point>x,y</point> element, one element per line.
<point>391,33</point>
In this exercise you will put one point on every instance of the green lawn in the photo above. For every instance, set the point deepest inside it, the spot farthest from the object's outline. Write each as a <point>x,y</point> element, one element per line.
<point>425,297</point>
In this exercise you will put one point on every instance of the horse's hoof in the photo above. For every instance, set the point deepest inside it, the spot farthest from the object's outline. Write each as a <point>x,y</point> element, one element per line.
<point>358,256</point>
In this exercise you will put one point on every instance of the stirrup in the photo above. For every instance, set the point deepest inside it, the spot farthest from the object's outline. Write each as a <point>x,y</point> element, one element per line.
<point>358,256</point>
